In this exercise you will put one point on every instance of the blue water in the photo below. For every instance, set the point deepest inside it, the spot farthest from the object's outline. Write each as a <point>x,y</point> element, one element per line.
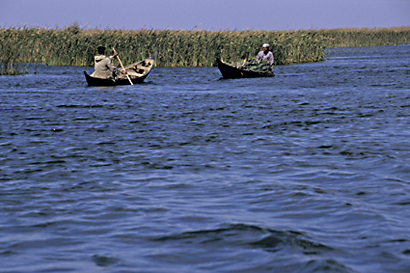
<point>308,171</point>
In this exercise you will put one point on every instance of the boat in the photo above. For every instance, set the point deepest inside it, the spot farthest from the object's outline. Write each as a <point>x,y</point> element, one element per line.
<point>136,71</point>
<point>232,72</point>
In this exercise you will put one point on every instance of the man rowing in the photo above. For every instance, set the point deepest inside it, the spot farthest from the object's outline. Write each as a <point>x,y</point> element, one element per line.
<point>265,55</point>
<point>103,66</point>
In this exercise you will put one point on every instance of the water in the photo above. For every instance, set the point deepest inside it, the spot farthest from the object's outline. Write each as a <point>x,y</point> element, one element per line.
<point>308,171</point>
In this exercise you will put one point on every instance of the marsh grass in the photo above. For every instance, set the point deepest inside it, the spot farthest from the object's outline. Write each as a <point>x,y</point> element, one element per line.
<point>14,69</point>
<point>74,46</point>
<point>352,37</point>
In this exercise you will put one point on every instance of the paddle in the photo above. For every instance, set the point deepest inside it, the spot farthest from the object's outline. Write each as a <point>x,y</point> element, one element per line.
<point>128,77</point>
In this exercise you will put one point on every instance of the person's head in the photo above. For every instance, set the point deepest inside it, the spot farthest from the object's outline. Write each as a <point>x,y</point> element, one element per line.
<point>101,50</point>
<point>265,47</point>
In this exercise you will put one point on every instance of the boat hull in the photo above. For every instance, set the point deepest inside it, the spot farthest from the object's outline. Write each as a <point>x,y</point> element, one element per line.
<point>230,72</point>
<point>92,81</point>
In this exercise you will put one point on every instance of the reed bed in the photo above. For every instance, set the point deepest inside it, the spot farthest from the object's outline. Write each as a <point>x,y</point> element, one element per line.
<point>73,46</point>
<point>350,37</point>
<point>76,47</point>
<point>14,69</point>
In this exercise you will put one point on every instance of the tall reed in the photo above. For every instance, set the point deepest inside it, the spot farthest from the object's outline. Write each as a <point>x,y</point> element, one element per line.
<point>17,69</point>
<point>74,46</point>
<point>350,37</point>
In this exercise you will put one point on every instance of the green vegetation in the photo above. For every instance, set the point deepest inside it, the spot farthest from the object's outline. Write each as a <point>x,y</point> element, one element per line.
<point>16,69</point>
<point>253,65</point>
<point>76,47</point>
<point>350,37</point>
<point>73,46</point>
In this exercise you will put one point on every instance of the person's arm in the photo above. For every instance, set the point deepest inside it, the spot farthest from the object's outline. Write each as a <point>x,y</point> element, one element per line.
<point>117,69</point>
<point>258,56</point>
<point>115,55</point>
<point>271,60</point>
<point>110,66</point>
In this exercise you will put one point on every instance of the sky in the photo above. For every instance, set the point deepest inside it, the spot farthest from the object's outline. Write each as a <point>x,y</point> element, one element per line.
<point>205,14</point>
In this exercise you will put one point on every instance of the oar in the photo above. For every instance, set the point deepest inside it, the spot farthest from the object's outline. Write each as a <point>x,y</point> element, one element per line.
<point>128,77</point>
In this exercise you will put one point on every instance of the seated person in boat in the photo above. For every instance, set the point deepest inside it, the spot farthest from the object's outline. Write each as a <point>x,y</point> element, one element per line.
<point>103,66</point>
<point>265,55</point>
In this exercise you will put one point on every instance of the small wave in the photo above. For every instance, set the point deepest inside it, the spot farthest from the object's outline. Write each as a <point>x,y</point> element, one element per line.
<point>265,249</point>
<point>249,236</point>
<point>80,106</point>
<point>326,265</point>
<point>104,261</point>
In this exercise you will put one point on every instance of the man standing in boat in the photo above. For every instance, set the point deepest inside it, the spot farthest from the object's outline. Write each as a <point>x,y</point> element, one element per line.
<point>103,66</point>
<point>265,55</point>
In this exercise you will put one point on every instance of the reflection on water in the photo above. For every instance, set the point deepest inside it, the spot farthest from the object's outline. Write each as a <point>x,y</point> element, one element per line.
<point>307,171</point>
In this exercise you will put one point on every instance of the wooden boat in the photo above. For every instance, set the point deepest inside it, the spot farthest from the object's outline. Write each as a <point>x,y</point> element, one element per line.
<point>136,71</point>
<point>231,72</point>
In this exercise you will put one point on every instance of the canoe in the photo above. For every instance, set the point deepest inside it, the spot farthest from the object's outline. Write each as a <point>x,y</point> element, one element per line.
<point>231,72</point>
<point>136,71</point>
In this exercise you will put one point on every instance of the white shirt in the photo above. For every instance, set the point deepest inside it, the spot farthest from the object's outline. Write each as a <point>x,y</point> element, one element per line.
<point>262,56</point>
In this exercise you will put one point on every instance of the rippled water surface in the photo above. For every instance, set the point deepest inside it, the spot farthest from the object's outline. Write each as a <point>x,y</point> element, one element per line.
<point>308,171</point>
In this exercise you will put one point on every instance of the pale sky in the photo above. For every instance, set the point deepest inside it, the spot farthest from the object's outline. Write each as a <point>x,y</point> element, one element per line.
<point>206,14</point>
